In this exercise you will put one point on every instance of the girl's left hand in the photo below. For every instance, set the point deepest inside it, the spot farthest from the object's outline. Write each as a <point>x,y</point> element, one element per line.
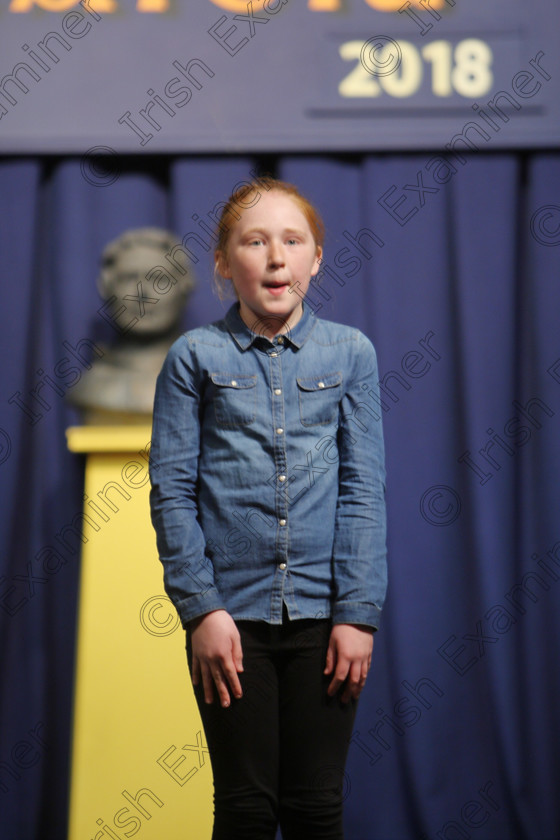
<point>349,657</point>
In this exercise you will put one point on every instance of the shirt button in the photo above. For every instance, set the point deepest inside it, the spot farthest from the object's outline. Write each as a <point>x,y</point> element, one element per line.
<point>278,391</point>
<point>280,340</point>
<point>274,353</point>
<point>321,384</point>
<point>282,566</point>
<point>281,478</point>
<point>279,431</point>
<point>234,382</point>
<point>282,522</point>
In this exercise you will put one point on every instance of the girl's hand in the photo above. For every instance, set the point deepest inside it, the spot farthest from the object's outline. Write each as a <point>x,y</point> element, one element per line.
<point>349,657</point>
<point>216,655</point>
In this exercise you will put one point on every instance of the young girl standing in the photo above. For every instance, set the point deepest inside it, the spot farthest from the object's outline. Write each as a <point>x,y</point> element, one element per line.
<point>268,504</point>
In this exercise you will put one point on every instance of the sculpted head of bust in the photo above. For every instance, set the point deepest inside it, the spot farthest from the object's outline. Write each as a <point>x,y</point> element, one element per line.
<point>147,277</point>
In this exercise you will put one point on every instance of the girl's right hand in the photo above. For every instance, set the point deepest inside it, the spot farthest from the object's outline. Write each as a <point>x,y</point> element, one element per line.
<point>216,655</point>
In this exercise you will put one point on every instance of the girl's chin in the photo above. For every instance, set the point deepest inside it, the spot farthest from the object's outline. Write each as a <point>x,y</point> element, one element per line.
<point>283,311</point>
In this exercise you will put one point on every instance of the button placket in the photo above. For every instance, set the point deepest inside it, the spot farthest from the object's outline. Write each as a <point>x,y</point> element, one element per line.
<point>280,464</point>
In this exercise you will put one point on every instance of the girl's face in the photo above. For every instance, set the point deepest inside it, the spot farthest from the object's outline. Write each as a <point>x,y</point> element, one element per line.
<point>270,258</point>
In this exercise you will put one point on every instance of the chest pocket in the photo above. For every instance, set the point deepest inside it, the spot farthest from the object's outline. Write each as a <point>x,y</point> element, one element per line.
<point>319,398</point>
<point>234,398</point>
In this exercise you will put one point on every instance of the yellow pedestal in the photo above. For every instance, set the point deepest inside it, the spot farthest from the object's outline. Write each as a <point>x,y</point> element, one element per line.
<point>140,767</point>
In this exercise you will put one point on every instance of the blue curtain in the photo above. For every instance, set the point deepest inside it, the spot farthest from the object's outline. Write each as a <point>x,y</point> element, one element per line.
<point>451,267</point>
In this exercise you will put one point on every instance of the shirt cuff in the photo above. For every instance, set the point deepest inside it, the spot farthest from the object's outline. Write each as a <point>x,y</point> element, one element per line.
<point>197,605</point>
<point>354,612</point>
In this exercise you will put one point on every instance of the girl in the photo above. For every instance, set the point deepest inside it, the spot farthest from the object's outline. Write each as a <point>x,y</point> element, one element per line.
<point>268,503</point>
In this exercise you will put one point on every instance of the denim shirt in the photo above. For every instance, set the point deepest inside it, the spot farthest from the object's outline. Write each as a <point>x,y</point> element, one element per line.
<point>267,471</point>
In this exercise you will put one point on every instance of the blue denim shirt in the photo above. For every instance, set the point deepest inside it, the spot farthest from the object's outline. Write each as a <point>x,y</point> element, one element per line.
<point>267,471</point>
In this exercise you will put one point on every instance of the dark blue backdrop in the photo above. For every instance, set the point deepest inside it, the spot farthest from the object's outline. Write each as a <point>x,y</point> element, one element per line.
<point>457,733</point>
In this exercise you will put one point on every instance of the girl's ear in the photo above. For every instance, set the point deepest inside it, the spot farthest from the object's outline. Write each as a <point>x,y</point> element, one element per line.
<point>318,261</point>
<point>221,265</point>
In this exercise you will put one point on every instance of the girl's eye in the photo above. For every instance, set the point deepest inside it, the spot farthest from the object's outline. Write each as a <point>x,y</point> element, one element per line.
<point>292,241</point>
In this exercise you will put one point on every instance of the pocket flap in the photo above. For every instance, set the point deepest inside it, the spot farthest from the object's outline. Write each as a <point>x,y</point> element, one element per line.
<point>233,380</point>
<point>319,383</point>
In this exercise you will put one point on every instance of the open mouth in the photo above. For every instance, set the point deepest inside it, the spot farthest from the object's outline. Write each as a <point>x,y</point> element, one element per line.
<point>276,288</point>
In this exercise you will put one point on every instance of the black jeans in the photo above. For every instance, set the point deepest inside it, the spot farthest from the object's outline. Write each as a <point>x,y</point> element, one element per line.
<point>278,753</point>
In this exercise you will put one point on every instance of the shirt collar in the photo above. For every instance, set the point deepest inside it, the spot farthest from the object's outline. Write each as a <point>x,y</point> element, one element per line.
<point>245,337</point>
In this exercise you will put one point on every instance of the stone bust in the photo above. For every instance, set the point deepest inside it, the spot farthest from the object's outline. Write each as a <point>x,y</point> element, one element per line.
<point>145,281</point>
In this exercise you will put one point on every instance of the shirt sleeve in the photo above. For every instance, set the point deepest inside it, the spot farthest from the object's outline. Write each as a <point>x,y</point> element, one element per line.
<point>359,551</point>
<point>188,573</point>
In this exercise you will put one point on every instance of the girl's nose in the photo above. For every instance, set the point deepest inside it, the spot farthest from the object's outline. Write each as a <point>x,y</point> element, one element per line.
<point>275,254</point>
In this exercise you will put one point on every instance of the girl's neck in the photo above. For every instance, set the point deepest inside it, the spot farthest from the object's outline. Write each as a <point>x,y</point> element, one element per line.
<point>273,325</point>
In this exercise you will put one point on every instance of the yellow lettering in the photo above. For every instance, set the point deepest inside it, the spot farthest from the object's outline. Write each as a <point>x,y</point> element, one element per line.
<point>163,6</point>
<point>236,5</point>
<point>324,5</point>
<point>395,5</point>
<point>152,6</point>
<point>48,5</point>
<point>60,5</point>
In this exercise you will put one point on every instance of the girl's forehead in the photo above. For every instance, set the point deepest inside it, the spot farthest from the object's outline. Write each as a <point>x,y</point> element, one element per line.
<point>273,208</point>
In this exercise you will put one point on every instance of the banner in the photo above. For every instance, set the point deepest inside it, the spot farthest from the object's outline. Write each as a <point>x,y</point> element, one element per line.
<point>163,76</point>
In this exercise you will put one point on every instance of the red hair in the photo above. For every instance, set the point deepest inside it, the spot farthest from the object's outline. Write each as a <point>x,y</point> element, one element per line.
<point>248,195</point>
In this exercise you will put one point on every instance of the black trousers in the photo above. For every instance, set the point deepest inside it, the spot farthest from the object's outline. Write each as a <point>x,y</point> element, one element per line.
<point>278,753</point>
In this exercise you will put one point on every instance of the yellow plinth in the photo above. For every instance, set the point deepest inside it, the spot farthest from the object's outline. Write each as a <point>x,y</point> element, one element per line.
<point>140,767</point>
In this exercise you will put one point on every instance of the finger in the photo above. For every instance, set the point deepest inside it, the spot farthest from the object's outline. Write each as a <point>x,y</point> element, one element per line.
<point>357,680</point>
<point>207,682</point>
<point>334,685</point>
<point>233,680</point>
<point>351,684</point>
<point>339,676</point>
<point>237,653</point>
<point>222,689</point>
<point>329,662</point>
